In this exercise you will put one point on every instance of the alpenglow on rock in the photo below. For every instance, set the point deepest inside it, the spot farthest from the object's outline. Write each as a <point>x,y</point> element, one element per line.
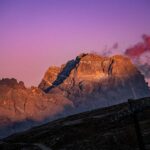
<point>88,82</point>
<point>22,108</point>
<point>95,81</point>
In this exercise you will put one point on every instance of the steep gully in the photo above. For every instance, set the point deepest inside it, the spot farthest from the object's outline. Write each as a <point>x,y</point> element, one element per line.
<point>65,72</point>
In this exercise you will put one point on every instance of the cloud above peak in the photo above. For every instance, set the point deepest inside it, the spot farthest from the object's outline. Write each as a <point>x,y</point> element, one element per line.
<point>138,49</point>
<point>140,55</point>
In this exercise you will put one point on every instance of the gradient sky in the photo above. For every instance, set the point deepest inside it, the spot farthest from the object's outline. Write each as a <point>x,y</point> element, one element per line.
<point>35,34</point>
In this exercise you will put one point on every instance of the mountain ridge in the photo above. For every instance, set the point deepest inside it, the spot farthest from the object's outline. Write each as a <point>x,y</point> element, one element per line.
<point>88,82</point>
<point>92,69</point>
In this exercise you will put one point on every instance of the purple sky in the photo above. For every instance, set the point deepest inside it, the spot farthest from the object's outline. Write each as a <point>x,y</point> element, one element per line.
<point>35,34</point>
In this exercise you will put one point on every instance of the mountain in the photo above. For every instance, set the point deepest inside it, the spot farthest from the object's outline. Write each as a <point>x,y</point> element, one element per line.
<point>109,128</point>
<point>88,82</point>
<point>96,81</point>
<point>21,107</point>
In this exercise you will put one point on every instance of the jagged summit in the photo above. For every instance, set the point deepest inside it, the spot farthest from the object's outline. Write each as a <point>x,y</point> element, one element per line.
<point>12,83</point>
<point>91,77</point>
<point>56,75</point>
<point>21,107</point>
<point>87,66</point>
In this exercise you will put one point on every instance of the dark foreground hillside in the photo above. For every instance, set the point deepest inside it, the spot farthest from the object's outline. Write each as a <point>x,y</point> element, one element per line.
<point>111,128</point>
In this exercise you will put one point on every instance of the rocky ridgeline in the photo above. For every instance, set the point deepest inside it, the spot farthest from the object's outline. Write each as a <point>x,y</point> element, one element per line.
<point>88,82</point>
<point>96,80</point>
<point>21,108</point>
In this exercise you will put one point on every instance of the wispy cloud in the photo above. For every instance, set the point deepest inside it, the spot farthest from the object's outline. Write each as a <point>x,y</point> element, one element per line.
<point>140,55</point>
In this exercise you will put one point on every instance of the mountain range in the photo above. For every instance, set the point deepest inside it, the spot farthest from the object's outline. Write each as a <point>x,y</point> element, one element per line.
<point>85,83</point>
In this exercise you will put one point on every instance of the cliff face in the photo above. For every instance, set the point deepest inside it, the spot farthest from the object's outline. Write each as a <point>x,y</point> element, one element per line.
<point>22,107</point>
<point>49,77</point>
<point>95,80</point>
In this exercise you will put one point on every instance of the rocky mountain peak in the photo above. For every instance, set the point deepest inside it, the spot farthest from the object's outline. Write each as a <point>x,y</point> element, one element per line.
<point>49,77</point>
<point>116,65</point>
<point>89,67</point>
<point>12,83</point>
<point>93,77</point>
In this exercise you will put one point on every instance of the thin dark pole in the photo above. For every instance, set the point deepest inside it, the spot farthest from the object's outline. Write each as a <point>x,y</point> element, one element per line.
<point>137,126</point>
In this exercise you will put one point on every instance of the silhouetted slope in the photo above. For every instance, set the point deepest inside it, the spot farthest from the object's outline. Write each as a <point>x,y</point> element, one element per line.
<point>110,128</point>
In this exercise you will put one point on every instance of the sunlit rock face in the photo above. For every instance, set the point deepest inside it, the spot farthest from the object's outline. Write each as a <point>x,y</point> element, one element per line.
<point>21,107</point>
<point>50,76</point>
<point>96,81</point>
